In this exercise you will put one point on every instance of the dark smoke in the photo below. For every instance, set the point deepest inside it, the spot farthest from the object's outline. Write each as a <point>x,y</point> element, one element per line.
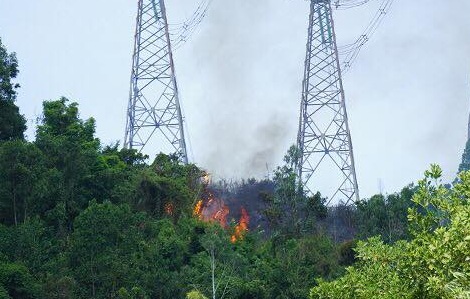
<point>247,120</point>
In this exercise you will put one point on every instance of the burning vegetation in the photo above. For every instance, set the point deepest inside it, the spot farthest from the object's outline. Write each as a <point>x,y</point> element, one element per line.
<point>218,204</point>
<point>241,227</point>
<point>169,209</point>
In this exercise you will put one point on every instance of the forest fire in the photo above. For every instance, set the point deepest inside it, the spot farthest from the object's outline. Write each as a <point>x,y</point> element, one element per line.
<point>169,209</point>
<point>241,227</point>
<point>198,209</point>
<point>213,209</point>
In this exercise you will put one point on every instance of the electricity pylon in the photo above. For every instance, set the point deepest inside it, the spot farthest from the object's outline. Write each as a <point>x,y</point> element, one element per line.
<point>154,113</point>
<point>324,139</point>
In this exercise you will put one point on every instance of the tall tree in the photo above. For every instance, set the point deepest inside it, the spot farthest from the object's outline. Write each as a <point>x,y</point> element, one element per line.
<point>290,211</point>
<point>465,163</point>
<point>20,170</point>
<point>216,243</point>
<point>167,187</point>
<point>105,246</point>
<point>288,199</point>
<point>385,215</point>
<point>12,123</point>
<point>71,154</point>
<point>17,282</point>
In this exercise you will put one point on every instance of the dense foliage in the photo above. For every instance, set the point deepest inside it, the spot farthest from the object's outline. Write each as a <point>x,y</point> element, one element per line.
<point>435,263</point>
<point>465,163</point>
<point>385,215</point>
<point>12,123</point>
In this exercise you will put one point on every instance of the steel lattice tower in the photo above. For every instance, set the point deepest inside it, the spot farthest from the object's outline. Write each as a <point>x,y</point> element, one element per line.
<point>324,140</point>
<point>154,112</point>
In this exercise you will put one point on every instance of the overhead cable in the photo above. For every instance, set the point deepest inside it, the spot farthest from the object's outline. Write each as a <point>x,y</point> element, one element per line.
<point>350,52</point>
<point>181,32</point>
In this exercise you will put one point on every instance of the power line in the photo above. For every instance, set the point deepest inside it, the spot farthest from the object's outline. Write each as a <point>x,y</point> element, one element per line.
<point>350,52</point>
<point>181,32</point>
<point>347,4</point>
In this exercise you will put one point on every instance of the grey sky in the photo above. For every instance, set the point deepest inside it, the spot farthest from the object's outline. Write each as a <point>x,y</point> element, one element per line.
<point>240,78</point>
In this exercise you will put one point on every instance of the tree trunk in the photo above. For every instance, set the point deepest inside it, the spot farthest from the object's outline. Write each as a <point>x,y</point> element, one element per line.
<point>213,272</point>
<point>14,207</point>
<point>25,211</point>
<point>93,289</point>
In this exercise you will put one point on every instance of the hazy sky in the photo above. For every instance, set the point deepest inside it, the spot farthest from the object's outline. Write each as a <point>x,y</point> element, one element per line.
<point>240,78</point>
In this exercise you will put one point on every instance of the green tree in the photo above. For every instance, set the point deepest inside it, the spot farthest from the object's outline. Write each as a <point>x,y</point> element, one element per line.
<point>385,215</point>
<point>17,283</point>
<point>114,174</point>
<point>216,243</point>
<point>29,243</point>
<point>167,254</point>
<point>465,163</point>
<point>371,277</point>
<point>296,263</point>
<point>104,246</point>
<point>195,295</point>
<point>288,201</point>
<point>12,123</point>
<point>8,72</point>
<point>20,170</point>
<point>433,264</point>
<point>167,188</point>
<point>4,293</point>
<point>71,156</point>
<point>135,293</point>
<point>290,212</point>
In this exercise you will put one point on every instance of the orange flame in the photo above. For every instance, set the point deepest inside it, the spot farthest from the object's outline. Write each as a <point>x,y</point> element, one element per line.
<point>212,209</point>
<point>198,209</point>
<point>169,208</point>
<point>215,210</point>
<point>242,227</point>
